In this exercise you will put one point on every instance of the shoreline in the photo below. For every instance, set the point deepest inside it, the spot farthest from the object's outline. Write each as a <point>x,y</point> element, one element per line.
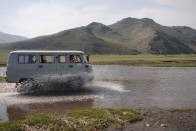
<point>150,119</point>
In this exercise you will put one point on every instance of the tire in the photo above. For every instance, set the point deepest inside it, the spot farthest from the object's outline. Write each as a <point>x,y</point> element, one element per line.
<point>25,86</point>
<point>77,83</point>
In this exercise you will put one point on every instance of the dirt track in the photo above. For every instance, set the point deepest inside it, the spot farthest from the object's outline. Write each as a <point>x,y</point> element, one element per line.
<point>165,120</point>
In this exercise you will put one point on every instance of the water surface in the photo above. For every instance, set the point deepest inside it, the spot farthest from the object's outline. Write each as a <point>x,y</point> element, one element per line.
<point>2,71</point>
<point>114,86</point>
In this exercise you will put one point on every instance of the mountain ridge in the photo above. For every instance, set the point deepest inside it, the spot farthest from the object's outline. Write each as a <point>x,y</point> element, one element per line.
<point>127,36</point>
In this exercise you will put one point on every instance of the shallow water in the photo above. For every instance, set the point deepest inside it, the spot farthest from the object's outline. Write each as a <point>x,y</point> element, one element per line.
<point>114,86</point>
<point>2,71</point>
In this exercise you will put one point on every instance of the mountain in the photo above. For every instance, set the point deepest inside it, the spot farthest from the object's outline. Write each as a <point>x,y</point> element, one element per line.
<point>74,39</point>
<point>128,36</point>
<point>7,38</point>
<point>147,36</point>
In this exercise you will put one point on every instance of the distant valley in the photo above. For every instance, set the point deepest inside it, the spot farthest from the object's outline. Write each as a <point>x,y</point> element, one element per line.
<point>127,36</point>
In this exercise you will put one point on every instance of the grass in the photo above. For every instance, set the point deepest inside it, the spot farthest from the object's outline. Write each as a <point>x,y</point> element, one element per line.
<point>146,60</point>
<point>183,60</point>
<point>3,59</point>
<point>88,119</point>
<point>44,121</point>
<point>2,79</point>
<point>41,119</point>
<point>10,126</point>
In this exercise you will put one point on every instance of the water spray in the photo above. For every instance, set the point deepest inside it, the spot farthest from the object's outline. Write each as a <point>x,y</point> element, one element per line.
<point>54,83</point>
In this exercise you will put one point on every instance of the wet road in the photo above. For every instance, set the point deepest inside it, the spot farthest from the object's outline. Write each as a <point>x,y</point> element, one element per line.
<point>115,86</point>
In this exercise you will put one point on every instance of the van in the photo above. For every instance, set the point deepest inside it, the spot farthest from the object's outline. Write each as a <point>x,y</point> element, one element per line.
<point>25,65</point>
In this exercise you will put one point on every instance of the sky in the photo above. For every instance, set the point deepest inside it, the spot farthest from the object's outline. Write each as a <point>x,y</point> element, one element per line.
<point>32,18</point>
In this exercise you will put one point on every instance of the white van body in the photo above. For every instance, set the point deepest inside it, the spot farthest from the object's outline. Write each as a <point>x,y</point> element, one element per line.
<point>29,64</point>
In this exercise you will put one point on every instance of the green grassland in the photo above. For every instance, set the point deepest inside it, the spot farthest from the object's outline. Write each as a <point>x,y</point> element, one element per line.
<point>3,59</point>
<point>2,79</point>
<point>183,60</point>
<point>146,60</point>
<point>86,119</point>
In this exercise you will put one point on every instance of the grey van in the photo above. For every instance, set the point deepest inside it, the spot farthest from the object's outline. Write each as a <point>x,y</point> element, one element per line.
<point>24,65</point>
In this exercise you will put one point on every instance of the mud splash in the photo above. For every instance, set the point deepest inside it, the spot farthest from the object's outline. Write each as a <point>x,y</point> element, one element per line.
<point>54,83</point>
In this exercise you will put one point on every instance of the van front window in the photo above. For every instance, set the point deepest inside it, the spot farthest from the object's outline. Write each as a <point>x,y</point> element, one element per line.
<point>75,59</point>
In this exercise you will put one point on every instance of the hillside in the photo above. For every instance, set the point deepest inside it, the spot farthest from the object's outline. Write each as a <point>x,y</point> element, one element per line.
<point>7,38</point>
<point>147,36</point>
<point>128,36</point>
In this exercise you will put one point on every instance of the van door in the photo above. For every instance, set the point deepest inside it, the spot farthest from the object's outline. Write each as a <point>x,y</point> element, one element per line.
<point>63,64</point>
<point>46,64</point>
<point>76,63</point>
<point>70,64</point>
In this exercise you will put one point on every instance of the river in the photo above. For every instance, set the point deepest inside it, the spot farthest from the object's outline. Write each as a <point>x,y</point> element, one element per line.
<point>114,87</point>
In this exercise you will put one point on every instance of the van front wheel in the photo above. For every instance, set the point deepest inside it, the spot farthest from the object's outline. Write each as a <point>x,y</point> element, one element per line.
<point>25,86</point>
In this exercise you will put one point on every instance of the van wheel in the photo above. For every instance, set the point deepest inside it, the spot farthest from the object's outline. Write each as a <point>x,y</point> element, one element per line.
<point>77,83</point>
<point>25,86</point>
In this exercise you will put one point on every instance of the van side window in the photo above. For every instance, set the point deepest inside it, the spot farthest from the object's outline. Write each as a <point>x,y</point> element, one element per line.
<point>26,59</point>
<point>46,59</point>
<point>62,59</point>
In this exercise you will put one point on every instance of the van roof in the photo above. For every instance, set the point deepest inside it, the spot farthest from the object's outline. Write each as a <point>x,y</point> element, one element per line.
<point>48,51</point>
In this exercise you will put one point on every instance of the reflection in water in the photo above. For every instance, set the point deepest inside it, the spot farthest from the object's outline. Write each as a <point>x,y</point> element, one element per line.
<point>3,113</point>
<point>21,111</point>
<point>114,86</point>
<point>151,86</point>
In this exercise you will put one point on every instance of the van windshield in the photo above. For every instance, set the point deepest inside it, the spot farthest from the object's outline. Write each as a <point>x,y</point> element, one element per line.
<point>85,58</point>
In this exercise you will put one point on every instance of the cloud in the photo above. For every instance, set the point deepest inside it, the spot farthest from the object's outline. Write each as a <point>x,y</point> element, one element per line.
<point>177,3</point>
<point>167,17</point>
<point>43,18</point>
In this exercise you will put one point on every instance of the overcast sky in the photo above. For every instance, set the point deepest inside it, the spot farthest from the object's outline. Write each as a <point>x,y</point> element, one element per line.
<point>33,18</point>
